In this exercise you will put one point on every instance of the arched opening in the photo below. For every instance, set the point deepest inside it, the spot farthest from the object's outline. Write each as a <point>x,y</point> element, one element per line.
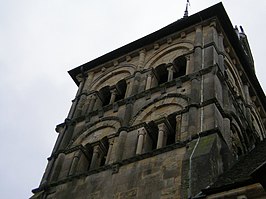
<point>180,65</point>
<point>153,133</point>
<point>161,73</point>
<point>171,135</point>
<point>121,88</point>
<point>89,153</point>
<point>104,150</point>
<point>105,95</point>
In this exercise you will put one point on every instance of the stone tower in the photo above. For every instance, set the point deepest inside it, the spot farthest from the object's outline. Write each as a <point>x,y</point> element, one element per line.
<point>162,117</point>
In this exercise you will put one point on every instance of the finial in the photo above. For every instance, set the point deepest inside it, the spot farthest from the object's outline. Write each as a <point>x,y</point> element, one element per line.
<point>186,11</point>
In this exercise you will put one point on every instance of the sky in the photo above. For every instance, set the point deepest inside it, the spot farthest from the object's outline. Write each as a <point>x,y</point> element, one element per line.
<point>43,39</point>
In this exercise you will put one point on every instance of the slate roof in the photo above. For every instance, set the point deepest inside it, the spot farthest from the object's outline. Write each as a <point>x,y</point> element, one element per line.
<point>240,174</point>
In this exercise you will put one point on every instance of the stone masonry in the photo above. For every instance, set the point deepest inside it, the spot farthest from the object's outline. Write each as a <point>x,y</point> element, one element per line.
<point>159,118</point>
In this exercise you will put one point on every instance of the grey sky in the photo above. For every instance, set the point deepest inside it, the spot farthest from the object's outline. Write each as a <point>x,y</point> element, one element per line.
<point>42,39</point>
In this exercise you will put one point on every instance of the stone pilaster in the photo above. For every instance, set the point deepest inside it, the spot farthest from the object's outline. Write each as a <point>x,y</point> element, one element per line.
<point>221,52</point>
<point>120,145</point>
<point>74,163</point>
<point>198,49</point>
<point>210,46</point>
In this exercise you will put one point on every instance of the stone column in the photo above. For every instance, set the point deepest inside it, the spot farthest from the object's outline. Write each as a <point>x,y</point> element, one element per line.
<point>88,82</point>
<point>142,55</point>
<point>120,145</point>
<point>141,134</point>
<point>95,157</point>
<point>188,67</point>
<point>80,105</point>
<point>92,100</point>
<point>111,143</point>
<point>162,136</point>
<point>128,112</point>
<point>178,128</point>
<point>148,82</point>
<point>129,88</point>
<point>136,82</point>
<point>113,95</point>
<point>74,163</point>
<point>170,69</point>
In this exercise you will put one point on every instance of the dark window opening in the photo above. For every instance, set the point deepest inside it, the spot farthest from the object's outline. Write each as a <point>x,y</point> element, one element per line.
<point>89,153</point>
<point>172,130</point>
<point>180,65</point>
<point>104,146</point>
<point>121,88</point>
<point>239,151</point>
<point>161,73</point>
<point>153,133</point>
<point>105,95</point>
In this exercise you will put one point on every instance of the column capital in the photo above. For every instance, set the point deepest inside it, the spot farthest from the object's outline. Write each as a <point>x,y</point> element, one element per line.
<point>149,75</point>
<point>111,141</point>
<point>162,127</point>
<point>96,148</point>
<point>113,90</point>
<point>141,131</point>
<point>92,96</point>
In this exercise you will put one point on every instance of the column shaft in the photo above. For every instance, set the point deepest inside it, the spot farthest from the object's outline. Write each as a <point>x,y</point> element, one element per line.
<point>140,144</point>
<point>95,157</point>
<point>111,142</point>
<point>148,82</point>
<point>160,139</point>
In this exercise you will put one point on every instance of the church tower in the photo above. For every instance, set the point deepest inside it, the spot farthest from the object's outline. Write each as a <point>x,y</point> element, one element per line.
<point>162,117</point>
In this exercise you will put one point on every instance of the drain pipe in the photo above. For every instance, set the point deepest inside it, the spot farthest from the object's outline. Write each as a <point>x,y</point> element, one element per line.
<point>201,126</point>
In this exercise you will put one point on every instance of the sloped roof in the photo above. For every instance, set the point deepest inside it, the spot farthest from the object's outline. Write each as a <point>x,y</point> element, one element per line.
<point>240,174</point>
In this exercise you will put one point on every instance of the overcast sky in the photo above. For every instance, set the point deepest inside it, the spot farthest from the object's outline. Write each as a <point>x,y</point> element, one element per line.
<point>42,39</point>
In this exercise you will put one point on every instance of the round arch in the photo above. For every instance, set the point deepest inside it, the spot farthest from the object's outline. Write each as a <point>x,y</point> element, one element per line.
<point>109,77</point>
<point>172,52</point>
<point>159,109</point>
<point>234,77</point>
<point>98,130</point>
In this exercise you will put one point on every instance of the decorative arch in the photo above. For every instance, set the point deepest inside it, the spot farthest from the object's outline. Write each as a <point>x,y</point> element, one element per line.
<point>162,108</point>
<point>168,54</point>
<point>257,124</point>
<point>234,78</point>
<point>97,131</point>
<point>109,77</point>
<point>237,140</point>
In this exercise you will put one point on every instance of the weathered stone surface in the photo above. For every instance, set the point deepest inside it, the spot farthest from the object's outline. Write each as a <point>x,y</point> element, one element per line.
<point>159,121</point>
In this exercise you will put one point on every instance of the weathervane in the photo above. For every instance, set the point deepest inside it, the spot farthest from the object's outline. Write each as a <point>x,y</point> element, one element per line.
<point>186,11</point>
